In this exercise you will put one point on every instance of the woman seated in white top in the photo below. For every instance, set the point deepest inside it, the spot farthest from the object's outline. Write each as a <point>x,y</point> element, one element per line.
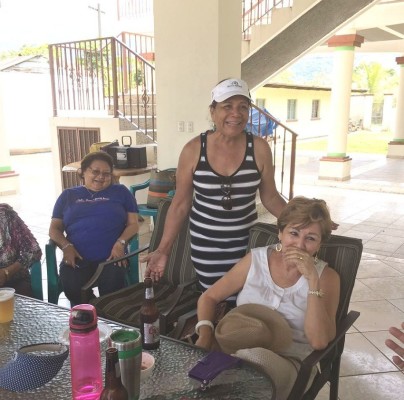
<point>289,278</point>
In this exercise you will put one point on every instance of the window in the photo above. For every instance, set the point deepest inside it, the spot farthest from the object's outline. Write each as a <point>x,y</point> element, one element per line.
<point>315,109</point>
<point>291,114</point>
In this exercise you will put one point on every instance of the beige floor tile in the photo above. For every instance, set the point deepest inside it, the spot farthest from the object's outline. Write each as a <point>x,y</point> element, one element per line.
<point>362,293</point>
<point>381,246</point>
<point>378,339</point>
<point>399,303</point>
<point>362,357</point>
<point>376,315</point>
<point>389,288</point>
<point>375,268</point>
<point>386,386</point>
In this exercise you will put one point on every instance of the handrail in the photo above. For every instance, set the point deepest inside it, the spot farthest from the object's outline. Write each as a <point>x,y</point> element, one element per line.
<point>283,143</point>
<point>259,12</point>
<point>104,75</point>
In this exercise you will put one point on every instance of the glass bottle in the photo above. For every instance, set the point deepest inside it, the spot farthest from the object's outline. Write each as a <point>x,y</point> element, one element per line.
<point>85,353</point>
<point>149,318</point>
<point>114,389</point>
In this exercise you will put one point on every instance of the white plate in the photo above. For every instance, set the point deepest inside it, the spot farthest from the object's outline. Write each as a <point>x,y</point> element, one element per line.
<point>105,331</point>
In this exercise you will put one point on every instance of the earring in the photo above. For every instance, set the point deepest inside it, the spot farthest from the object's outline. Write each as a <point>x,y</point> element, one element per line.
<point>315,259</point>
<point>278,247</point>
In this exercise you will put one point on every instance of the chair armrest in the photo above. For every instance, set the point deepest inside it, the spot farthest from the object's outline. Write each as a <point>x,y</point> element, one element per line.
<point>182,321</point>
<point>134,188</point>
<point>317,355</point>
<point>100,268</point>
<point>172,301</point>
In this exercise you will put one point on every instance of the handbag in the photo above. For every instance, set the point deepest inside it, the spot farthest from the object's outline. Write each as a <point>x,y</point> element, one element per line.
<point>161,183</point>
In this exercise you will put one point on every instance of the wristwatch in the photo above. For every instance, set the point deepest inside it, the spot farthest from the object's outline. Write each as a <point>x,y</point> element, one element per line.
<point>122,242</point>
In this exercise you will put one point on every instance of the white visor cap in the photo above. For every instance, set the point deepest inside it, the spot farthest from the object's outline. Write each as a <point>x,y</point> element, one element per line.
<point>228,88</point>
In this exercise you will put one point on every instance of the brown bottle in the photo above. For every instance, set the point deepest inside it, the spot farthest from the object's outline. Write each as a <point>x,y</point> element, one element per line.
<point>113,390</point>
<point>149,318</point>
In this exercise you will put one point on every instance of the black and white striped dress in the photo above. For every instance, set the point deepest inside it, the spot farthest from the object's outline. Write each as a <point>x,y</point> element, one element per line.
<point>219,237</point>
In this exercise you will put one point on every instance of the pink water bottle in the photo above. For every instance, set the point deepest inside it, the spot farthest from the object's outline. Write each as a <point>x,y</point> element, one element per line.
<point>85,353</point>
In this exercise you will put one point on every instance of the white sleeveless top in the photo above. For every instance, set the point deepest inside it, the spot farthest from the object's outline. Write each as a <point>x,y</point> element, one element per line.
<point>290,302</point>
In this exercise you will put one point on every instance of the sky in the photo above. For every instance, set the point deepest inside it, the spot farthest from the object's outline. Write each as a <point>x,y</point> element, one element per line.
<point>38,22</point>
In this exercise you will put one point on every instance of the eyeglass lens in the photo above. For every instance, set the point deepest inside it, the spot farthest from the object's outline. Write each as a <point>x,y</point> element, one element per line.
<point>97,172</point>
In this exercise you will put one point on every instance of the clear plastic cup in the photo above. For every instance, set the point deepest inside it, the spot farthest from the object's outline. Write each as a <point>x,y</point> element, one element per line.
<point>6,304</point>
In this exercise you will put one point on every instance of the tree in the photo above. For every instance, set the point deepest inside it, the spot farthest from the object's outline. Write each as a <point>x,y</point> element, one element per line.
<point>375,78</point>
<point>26,51</point>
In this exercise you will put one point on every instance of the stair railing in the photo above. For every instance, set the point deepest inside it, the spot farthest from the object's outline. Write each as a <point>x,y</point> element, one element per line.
<point>283,144</point>
<point>259,12</point>
<point>104,75</point>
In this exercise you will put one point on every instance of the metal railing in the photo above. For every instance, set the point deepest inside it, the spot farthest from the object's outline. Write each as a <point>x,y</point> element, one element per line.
<point>104,75</point>
<point>283,144</point>
<point>256,12</point>
<point>142,44</point>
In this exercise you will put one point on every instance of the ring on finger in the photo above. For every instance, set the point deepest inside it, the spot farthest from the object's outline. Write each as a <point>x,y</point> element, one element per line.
<point>300,258</point>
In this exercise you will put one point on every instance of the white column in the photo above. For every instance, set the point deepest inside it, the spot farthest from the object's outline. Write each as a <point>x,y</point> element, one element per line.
<point>197,43</point>
<point>336,165</point>
<point>396,146</point>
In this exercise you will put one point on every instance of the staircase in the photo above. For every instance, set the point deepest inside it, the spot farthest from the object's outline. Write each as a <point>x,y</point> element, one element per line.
<point>287,30</point>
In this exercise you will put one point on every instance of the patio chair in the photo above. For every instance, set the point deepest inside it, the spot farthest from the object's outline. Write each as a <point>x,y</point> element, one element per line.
<point>343,254</point>
<point>164,189</point>
<point>36,280</point>
<point>176,292</point>
<point>54,283</point>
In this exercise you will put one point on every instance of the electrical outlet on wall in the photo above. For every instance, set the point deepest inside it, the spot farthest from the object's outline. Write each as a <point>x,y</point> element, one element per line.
<point>190,126</point>
<point>180,126</point>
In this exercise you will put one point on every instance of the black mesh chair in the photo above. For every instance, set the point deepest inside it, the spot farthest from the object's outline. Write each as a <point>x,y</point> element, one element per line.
<point>176,293</point>
<point>342,254</point>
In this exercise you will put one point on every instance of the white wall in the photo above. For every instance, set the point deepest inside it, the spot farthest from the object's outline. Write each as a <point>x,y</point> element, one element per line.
<point>26,109</point>
<point>276,103</point>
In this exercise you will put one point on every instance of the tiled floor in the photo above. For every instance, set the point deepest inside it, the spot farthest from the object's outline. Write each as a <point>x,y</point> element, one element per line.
<point>369,206</point>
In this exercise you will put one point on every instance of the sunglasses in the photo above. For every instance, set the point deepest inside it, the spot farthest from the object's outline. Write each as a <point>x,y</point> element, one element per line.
<point>97,172</point>
<point>226,199</point>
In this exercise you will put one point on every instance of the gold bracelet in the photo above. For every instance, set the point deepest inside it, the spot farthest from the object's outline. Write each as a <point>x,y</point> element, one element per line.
<point>318,293</point>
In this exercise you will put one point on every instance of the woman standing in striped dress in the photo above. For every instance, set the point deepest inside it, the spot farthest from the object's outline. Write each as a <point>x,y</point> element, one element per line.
<point>218,175</point>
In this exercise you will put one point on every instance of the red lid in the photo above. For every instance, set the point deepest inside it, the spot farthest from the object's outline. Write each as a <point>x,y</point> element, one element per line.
<point>83,317</point>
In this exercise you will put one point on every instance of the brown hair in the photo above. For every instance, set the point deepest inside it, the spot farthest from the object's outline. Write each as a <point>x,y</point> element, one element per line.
<point>302,211</point>
<point>96,155</point>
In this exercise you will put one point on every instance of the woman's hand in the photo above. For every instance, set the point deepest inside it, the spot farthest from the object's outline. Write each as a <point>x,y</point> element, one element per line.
<point>156,264</point>
<point>205,341</point>
<point>303,261</point>
<point>118,250</point>
<point>399,358</point>
<point>69,256</point>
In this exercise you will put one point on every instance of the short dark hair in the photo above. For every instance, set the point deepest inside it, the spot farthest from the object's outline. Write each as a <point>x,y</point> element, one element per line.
<point>302,211</point>
<point>96,155</point>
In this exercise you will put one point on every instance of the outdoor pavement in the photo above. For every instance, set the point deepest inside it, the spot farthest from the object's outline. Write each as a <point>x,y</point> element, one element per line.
<point>368,206</point>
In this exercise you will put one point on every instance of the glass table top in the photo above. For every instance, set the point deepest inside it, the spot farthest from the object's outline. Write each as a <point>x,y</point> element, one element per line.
<point>38,322</point>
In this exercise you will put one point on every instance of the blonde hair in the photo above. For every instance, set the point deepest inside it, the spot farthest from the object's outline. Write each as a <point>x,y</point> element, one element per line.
<point>302,211</point>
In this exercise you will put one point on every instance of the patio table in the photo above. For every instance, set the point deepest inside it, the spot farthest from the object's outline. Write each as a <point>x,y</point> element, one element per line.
<point>37,321</point>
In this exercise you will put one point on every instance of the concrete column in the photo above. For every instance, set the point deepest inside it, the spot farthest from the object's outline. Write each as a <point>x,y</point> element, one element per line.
<point>396,146</point>
<point>336,165</point>
<point>9,179</point>
<point>197,43</point>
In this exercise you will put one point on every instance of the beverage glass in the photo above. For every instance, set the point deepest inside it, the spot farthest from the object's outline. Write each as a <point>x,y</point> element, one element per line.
<point>128,342</point>
<point>6,304</point>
